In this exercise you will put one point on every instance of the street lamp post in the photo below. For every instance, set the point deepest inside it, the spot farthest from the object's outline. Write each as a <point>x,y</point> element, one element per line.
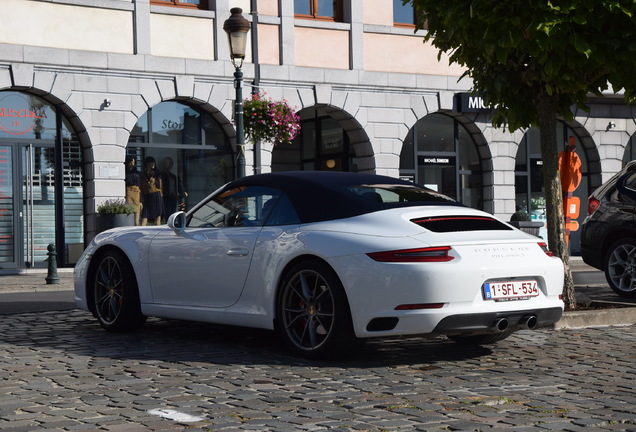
<point>236,27</point>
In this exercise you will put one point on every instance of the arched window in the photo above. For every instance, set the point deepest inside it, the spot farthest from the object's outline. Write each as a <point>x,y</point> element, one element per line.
<point>41,183</point>
<point>630,150</point>
<point>529,191</point>
<point>322,145</point>
<point>187,143</point>
<point>439,153</point>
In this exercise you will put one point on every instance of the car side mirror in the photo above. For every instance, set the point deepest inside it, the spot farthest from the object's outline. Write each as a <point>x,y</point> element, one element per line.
<point>177,221</point>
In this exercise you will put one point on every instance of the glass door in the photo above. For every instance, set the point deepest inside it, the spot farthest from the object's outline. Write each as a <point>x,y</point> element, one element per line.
<point>8,250</point>
<point>38,202</point>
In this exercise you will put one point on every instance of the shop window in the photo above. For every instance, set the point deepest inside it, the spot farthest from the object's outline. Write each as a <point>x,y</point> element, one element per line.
<point>529,190</point>
<point>191,152</point>
<point>195,4</point>
<point>440,154</point>
<point>322,145</point>
<point>327,10</point>
<point>33,185</point>
<point>630,151</point>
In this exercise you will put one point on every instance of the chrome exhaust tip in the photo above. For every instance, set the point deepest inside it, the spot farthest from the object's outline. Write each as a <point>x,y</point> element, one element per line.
<point>500,325</point>
<point>529,322</point>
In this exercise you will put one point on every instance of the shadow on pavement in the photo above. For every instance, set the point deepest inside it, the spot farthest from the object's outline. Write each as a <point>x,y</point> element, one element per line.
<point>181,341</point>
<point>17,303</point>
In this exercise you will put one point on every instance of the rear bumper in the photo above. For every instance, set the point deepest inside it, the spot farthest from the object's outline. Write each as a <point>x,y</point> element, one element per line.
<point>485,322</point>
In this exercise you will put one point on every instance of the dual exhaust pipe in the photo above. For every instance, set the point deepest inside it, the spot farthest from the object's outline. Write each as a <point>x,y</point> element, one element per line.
<point>528,322</point>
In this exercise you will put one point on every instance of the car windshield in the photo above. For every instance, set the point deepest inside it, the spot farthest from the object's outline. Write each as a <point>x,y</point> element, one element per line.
<point>394,193</point>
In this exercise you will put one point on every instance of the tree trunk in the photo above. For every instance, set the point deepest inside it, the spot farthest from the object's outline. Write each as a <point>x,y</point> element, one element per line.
<point>547,109</point>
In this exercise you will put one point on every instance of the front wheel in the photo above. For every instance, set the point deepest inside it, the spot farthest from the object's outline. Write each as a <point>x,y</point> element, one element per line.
<point>115,293</point>
<point>620,267</point>
<point>313,316</point>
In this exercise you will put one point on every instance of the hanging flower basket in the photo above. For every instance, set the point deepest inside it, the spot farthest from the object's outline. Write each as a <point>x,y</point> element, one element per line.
<point>268,120</point>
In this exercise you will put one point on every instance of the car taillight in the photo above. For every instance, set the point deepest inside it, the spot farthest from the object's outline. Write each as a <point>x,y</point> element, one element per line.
<point>592,204</point>
<point>544,248</point>
<point>432,254</point>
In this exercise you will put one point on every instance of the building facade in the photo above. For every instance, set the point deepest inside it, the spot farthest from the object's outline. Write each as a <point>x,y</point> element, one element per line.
<point>86,85</point>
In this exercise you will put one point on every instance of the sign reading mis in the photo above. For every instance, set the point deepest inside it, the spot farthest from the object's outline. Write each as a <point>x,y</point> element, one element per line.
<point>470,102</point>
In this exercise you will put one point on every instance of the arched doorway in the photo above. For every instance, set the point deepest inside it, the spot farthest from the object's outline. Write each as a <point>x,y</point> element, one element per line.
<point>440,153</point>
<point>41,183</point>
<point>529,192</point>
<point>630,150</point>
<point>322,145</point>
<point>186,143</point>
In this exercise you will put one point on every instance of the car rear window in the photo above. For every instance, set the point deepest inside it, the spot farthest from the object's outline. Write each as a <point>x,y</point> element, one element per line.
<point>443,224</point>
<point>397,193</point>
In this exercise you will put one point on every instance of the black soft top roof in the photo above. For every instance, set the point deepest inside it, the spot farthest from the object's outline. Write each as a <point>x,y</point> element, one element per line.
<point>321,195</point>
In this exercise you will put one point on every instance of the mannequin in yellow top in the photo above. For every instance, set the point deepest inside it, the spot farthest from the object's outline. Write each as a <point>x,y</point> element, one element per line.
<point>151,193</point>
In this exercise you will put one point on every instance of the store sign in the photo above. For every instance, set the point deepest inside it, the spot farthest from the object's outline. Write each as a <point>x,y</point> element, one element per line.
<point>435,160</point>
<point>17,116</point>
<point>470,102</point>
<point>172,125</point>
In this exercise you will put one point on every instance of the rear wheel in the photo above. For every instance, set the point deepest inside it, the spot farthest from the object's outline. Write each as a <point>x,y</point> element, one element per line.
<point>115,293</point>
<point>620,267</point>
<point>480,339</point>
<point>313,316</point>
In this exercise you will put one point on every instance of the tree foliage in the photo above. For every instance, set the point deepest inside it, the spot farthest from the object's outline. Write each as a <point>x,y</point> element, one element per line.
<point>534,61</point>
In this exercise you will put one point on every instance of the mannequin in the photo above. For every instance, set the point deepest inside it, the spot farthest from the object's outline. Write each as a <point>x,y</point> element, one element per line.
<point>133,187</point>
<point>173,191</point>
<point>151,193</point>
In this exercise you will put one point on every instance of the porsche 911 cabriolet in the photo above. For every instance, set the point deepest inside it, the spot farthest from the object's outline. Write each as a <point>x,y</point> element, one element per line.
<point>325,259</point>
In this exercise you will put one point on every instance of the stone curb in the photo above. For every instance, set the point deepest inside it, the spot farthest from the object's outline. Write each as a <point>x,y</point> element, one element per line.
<point>622,316</point>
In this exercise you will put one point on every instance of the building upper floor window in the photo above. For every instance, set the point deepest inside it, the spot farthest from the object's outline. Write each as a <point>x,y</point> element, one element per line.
<point>405,15</point>
<point>328,10</point>
<point>195,4</point>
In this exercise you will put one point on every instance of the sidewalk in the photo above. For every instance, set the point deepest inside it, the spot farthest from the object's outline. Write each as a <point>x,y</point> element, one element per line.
<point>34,280</point>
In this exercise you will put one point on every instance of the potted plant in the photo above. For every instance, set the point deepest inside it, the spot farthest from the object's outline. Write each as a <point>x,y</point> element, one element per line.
<point>268,120</point>
<point>114,213</point>
<point>522,220</point>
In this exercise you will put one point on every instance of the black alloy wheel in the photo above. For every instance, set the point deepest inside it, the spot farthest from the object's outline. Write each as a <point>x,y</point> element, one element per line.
<point>313,316</point>
<point>620,267</point>
<point>115,293</point>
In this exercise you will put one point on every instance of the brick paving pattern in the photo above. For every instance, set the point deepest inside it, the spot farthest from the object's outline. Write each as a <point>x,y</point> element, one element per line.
<point>60,371</point>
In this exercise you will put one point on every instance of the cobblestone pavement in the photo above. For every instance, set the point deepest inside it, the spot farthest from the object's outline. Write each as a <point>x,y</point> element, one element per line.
<point>60,371</point>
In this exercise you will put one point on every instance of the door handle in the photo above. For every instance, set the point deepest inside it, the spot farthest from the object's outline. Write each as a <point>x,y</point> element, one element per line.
<point>238,252</point>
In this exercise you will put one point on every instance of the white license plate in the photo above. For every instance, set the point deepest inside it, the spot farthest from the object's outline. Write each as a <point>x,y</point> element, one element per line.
<point>510,290</point>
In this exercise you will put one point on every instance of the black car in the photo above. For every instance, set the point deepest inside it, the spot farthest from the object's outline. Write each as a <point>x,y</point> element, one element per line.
<point>608,234</point>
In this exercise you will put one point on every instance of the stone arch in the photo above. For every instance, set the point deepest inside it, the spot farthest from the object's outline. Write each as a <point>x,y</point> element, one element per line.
<point>470,124</point>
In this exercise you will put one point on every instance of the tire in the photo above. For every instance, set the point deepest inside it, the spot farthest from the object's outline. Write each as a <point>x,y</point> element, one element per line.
<point>484,339</point>
<point>115,293</point>
<point>620,267</point>
<point>313,316</point>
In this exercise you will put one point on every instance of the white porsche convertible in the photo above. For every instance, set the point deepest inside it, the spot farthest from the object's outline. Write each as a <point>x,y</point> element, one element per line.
<point>323,259</point>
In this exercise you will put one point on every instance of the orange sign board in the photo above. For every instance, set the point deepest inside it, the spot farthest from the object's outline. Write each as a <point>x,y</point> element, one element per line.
<point>570,167</point>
